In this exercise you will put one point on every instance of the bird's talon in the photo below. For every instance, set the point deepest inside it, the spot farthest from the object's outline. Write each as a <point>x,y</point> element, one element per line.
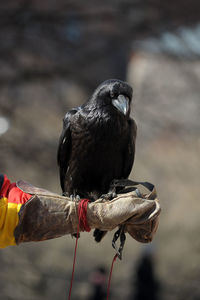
<point>108,196</point>
<point>65,194</point>
<point>75,198</point>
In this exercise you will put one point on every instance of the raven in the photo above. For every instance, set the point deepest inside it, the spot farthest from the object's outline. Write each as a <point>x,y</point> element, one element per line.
<point>97,144</point>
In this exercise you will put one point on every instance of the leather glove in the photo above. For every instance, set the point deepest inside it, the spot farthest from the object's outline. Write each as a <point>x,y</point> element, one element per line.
<point>47,215</point>
<point>144,226</point>
<point>138,212</point>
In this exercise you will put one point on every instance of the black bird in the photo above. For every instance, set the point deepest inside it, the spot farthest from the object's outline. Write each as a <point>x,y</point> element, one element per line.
<point>97,144</point>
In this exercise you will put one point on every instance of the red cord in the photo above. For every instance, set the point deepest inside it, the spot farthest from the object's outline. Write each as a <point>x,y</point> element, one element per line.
<point>82,213</point>
<point>72,277</point>
<point>82,222</point>
<point>110,275</point>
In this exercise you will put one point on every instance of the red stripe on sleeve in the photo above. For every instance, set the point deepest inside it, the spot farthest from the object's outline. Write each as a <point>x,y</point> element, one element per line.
<point>13,193</point>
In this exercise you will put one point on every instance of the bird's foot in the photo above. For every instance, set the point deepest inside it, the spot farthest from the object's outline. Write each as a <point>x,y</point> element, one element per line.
<point>119,234</point>
<point>65,194</point>
<point>109,196</point>
<point>75,198</point>
<point>116,186</point>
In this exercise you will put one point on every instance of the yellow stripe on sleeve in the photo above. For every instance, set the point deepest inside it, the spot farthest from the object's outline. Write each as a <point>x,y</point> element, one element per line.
<point>8,221</point>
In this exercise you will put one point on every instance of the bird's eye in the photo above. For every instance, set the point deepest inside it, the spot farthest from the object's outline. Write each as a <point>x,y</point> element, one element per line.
<point>112,95</point>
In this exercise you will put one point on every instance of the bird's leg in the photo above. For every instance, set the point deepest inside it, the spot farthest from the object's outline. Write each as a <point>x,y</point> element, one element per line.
<point>65,194</point>
<point>109,196</point>
<point>119,233</point>
<point>74,197</point>
<point>115,187</point>
<point>112,193</point>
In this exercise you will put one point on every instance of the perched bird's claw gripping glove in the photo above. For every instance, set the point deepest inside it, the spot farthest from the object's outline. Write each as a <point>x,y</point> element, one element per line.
<point>47,215</point>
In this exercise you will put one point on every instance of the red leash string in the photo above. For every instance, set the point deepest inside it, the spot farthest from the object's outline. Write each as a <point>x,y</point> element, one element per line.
<point>73,268</point>
<point>83,224</point>
<point>82,213</point>
<point>110,275</point>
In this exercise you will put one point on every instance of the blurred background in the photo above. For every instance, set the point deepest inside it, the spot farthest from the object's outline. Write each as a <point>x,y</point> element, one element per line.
<point>52,56</point>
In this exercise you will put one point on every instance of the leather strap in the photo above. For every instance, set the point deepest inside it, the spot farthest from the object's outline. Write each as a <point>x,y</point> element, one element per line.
<point>146,184</point>
<point>130,183</point>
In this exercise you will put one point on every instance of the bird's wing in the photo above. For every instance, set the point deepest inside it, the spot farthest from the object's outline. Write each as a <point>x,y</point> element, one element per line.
<point>64,146</point>
<point>130,150</point>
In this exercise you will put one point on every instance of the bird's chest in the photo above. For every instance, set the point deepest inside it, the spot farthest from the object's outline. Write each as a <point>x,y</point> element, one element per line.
<point>99,138</point>
<point>98,130</point>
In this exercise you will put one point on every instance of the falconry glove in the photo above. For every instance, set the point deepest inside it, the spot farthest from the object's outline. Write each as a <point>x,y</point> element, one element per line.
<point>28,213</point>
<point>47,215</point>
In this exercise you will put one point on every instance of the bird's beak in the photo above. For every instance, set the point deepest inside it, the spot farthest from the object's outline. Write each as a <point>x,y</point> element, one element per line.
<point>121,103</point>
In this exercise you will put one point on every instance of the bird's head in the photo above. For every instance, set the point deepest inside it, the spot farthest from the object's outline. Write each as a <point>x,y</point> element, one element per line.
<point>116,93</point>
